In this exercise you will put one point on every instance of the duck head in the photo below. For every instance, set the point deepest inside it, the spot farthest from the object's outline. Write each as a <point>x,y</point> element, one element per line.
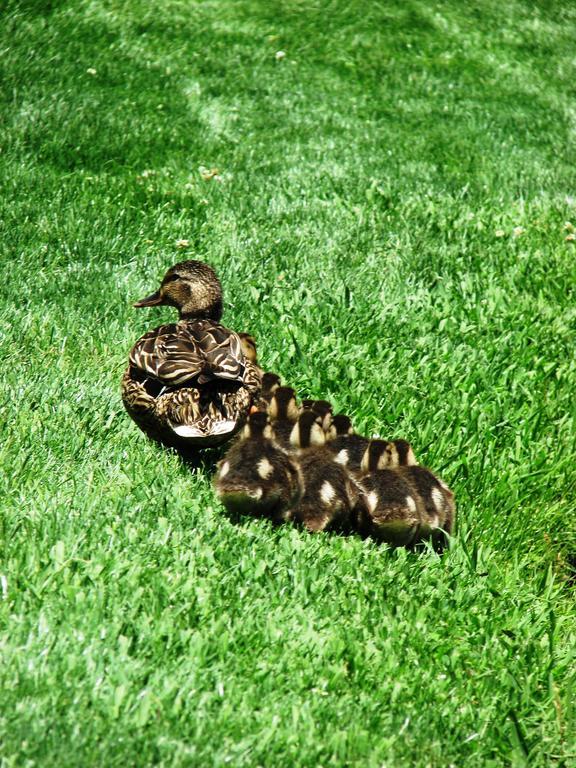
<point>283,405</point>
<point>321,408</point>
<point>190,286</point>
<point>379,454</point>
<point>257,427</point>
<point>270,382</point>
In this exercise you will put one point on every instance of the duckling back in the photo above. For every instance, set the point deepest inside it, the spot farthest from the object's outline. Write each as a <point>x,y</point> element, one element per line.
<point>404,504</point>
<point>346,447</point>
<point>390,513</point>
<point>256,476</point>
<point>330,494</point>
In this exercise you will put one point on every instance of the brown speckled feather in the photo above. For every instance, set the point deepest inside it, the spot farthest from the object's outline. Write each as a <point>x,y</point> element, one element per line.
<point>191,384</point>
<point>204,407</point>
<point>190,373</point>
<point>196,351</point>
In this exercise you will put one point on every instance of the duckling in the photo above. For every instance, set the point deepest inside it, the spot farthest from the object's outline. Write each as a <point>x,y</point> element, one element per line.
<point>270,383</point>
<point>321,408</point>
<point>404,503</point>
<point>251,353</point>
<point>256,476</point>
<point>384,454</point>
<point>248,343</point>
<point>190,384</point>
<point>346,446</point>
<point>331,496</point>
<point>283,413</point>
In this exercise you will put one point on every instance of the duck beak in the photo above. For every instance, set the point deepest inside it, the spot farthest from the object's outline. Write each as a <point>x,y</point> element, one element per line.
<point>150,301</point>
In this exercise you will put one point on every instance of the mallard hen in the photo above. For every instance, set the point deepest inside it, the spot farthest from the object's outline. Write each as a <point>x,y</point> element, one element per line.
<point>191,384</point>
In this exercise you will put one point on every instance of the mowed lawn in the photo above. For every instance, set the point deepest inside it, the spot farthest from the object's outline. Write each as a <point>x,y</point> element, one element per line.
<point>394,220</point>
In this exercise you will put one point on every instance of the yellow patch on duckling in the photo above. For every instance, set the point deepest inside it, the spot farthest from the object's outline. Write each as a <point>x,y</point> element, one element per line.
<point>327,492</point>
<point>265,469</point>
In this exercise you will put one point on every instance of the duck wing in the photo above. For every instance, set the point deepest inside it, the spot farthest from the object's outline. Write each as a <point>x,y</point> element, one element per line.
<point>190,352</point>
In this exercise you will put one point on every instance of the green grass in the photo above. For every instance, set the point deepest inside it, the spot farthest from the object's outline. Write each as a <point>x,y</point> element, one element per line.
<point>364,230</point>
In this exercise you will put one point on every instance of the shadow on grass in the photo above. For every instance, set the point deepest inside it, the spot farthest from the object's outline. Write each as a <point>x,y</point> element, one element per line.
<point>437,544</point>
<point>200,460</point>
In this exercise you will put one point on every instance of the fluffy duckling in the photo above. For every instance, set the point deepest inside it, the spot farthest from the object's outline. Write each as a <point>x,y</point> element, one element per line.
<point>404,503</point>
<point>346,446</point>
<point>384,454</point>
<point>331,496</point>
<point>321,408</point>
<point>270,383</point>
<point>283,413</point>
<point>248,343</point>
<point>256,476</point>
<point>191,384</point>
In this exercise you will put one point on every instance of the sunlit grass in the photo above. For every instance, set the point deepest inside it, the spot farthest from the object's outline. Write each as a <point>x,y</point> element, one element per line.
<point>391,217</point>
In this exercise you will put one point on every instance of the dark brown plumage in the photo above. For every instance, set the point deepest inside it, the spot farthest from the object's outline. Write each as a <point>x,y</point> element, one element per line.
<point>256,476</point>
<point>404,504</point>
<point>331,495</point>
<point>196,352</point>
<point>191,383</point>
<point>283,413</point>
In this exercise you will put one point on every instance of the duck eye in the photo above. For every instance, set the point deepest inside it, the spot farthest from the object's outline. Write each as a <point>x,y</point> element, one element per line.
<point>171,278</point>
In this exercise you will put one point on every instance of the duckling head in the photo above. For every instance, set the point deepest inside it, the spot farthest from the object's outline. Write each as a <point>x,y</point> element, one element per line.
<point>380,454</point>
<point>321,408</point>
<point>249,347</point>
<point>405,453</point>
<point>307,431</point>
<point>270,382</point>
<point>192,287</point>
<point>257,427</point>
<point>341,425</point>
<point>283,404</point>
